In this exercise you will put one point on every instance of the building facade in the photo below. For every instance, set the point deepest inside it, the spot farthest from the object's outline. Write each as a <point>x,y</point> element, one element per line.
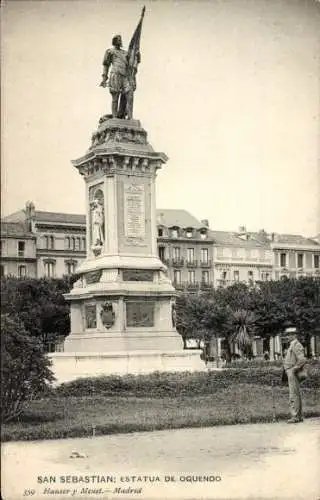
<point>294,256</point>
<point>239,257</point>
<point>38,243</point>
<point>18,250</point>
<point>59,241</point>
<point>185,246</point>
<point>50,244</point>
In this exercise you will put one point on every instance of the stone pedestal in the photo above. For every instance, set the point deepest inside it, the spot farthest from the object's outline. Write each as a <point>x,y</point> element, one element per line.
<point>123,301</point>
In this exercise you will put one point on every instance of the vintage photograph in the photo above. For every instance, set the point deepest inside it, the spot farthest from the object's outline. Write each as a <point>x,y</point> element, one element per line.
<point>160,249</point>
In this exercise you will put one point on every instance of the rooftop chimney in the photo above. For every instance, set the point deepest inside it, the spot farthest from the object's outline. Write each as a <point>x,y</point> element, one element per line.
<point>205,222</point>
<point>30,215</point>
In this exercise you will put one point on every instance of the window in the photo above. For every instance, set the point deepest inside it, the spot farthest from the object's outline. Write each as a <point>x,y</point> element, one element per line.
<point>265,276</point>
<point>71,266</point>
<point>220,252</point>
<point>174,233</point>
<point>234,252</point>
<point>248,254</point>
<point>22,271</point>
<point>67,242</point>
<point>77,243</point>
<point>204,255</point>
<point>191,277</point>
<point>83,244</point>
<point>1,247</point>
<point>262,254</point>
<point>2,273</point>
<point>223,275</point>
<point>236,275</point>
<point>176,253</point>
<point>161,251</point>
<point>177,276</point>
<point>283,260</point>
<point>49,242</point>
<point>49,268</point>
<point>190,254</point>
<point>316,259</point>
<point>203,235</point>
<point>250,276</point>
<point>205,277</point>
<point>21,248</point>
<point>160,232</point>
<point>300,260</point>
<point>189,232</point>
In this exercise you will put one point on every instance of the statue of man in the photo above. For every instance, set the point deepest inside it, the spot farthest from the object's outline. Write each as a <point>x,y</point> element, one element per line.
<point>122,79</point>
<point>97,224</point>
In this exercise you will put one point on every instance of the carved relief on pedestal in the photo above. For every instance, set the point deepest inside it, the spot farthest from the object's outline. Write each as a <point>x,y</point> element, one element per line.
<point>97,222</point>
<point>120,135</point>
<point>140,313</point>
<point>91,316</point>
<point>93,276</point>
<point>107,315</point>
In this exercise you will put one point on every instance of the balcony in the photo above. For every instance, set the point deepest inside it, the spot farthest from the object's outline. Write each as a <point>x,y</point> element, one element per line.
<point>206,263</point>
<point>177,262</point>
<point>224,283</point>
<point>193,286</point>
<point>192,263</point>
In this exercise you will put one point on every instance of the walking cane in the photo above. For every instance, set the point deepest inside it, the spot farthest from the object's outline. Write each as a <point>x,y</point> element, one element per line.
<point>273,402</point>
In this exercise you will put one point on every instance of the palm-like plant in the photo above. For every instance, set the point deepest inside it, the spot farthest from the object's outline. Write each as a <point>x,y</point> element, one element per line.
<point>243,326</point>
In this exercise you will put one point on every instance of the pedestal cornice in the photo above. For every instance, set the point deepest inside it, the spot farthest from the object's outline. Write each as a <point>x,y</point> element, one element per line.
<point>120,146</point>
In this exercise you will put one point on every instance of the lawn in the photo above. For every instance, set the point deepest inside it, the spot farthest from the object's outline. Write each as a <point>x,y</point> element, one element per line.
<point>61,416</point>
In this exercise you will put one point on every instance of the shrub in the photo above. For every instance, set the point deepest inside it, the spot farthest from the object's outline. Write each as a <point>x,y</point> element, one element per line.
<point>181,383</point>
<point>24,368</point>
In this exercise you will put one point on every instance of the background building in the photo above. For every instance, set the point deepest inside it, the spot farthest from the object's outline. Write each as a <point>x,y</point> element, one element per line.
<point>240,257</point>
<point>60,239</point>
<point>18,250</point>
<point>185,246</point>
<point>294,256</point>
<point>38,243</point>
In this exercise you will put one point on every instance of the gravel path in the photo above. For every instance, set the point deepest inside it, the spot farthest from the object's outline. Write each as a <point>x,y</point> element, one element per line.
<point>266,461</point>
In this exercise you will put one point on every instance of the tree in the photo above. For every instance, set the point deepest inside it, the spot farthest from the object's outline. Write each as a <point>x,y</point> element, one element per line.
<point>25,369</point>
<point>272,304</point>
<point>191,309</point>
<point>243,326</point>
<point>39,304</point>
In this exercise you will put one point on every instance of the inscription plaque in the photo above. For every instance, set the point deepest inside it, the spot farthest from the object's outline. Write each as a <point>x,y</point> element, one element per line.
<point>140,313</point>
<point>137,275</point>
<point>134,203</point>
<point>91,316</point>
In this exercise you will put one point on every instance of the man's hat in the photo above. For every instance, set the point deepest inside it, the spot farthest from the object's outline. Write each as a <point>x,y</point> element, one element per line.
<point>291,329</point>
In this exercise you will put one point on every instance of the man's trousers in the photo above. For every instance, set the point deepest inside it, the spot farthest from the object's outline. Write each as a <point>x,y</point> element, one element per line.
<point>295,400</point>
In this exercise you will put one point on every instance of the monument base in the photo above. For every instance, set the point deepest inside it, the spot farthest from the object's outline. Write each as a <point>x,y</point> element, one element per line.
<point>71,366</point>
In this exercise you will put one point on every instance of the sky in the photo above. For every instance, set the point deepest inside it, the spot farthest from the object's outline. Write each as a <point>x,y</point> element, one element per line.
<point>228,89</point>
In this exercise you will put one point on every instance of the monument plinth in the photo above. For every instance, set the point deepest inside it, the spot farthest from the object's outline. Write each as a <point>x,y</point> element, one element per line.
<point>123,304</point>
<point>123,300</point>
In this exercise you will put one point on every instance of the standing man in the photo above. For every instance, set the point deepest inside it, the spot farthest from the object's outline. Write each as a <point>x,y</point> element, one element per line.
<point>294,361</point>
<point>119,84</point>
<point>124,67</point>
